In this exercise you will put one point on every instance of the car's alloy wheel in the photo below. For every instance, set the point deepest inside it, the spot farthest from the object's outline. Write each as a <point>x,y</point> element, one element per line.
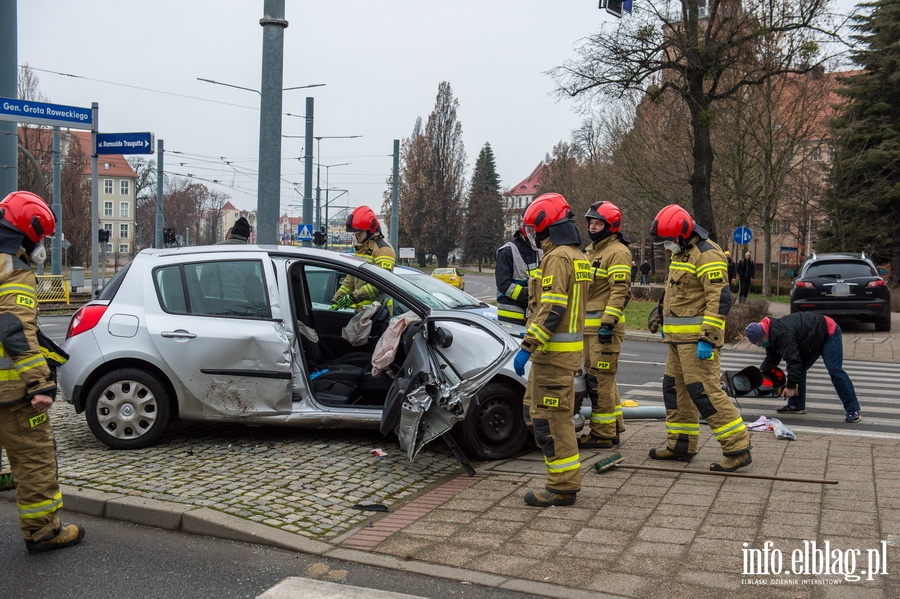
<point>128,409</point>
<point>494,428</point>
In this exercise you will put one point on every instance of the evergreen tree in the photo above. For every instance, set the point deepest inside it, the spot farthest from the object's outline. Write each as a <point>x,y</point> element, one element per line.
<point>483,232</point>
<point>864,204</point>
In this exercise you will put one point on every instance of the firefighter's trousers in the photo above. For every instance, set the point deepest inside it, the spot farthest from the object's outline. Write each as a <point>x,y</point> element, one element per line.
<point>27,437</point>
<point>549,402</point>
<point>601,365</point>
<point>690,391</point>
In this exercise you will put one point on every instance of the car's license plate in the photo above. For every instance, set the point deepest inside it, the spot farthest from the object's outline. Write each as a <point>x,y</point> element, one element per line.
<point>841,290</point>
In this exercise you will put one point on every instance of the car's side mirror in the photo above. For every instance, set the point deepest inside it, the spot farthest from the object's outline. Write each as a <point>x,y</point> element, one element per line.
<point>882,271</point>
<point>443,337</point>
<point>790,273</point>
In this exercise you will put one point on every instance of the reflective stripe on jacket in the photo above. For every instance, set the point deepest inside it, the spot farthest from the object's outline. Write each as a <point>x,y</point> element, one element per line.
<point>556,311</point>
<point>611,282</point>
<point>23,369</point>
<point>697,297</point>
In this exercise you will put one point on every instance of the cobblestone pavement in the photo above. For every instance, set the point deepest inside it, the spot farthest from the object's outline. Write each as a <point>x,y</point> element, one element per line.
<point>300,481</point>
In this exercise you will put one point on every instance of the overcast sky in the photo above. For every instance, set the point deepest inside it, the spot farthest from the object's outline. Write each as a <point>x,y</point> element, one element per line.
<point>381,62</point>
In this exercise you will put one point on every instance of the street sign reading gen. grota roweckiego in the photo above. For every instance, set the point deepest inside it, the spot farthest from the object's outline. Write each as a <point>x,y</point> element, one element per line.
<point>41,113</point>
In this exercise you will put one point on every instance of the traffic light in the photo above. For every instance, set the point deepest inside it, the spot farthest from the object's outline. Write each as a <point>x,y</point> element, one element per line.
<point>103,235</point>
<point>319,238</point>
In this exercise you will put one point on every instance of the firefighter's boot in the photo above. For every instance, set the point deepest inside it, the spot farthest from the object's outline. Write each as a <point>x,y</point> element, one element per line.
<point>667,454</point>
<point>64,536</point>
<point>546,498</point>
<point>592,441</point>
<point>730,463</point>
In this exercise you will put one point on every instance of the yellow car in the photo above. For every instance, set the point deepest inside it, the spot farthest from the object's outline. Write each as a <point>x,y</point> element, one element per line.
<point>451,276</point>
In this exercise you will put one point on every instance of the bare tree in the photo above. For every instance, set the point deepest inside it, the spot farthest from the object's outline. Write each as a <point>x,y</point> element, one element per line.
<point>415,158</point>
<point>432,181</point>
<point>768,135</point>
<point>35,142</point>
<point>703,52</point>
<point>75,196</point>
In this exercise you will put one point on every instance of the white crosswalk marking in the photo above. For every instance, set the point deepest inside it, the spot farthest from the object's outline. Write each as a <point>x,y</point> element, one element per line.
<point>877,387</point>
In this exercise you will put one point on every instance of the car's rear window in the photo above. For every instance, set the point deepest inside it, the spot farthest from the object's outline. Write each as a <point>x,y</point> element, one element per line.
<point>840,270</point>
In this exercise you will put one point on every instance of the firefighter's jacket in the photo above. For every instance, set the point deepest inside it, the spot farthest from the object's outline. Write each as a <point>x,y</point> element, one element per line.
<point>555,329</point>
<point>517,262</point>
<point>697,296</point>
<point>374,250</point>
<point>24,372</point>
<point>610,289</point>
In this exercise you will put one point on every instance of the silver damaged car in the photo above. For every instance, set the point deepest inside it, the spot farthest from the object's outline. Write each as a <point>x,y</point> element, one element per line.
<point>215,334</point>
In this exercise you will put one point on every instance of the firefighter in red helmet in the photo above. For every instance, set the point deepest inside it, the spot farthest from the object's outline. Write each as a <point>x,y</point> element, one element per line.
<point>554,344</point>
<point>696,301</point>
<point>604,324</point>
<point>372,247</point>
<point>27,385</point>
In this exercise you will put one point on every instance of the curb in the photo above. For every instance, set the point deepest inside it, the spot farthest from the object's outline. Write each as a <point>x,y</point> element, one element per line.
<point>208,522</point>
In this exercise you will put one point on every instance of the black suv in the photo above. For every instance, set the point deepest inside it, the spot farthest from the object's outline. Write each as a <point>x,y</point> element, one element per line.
<point>844,287</point>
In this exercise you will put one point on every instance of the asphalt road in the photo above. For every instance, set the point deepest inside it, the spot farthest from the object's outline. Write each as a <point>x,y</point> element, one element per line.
<point>118,560</point>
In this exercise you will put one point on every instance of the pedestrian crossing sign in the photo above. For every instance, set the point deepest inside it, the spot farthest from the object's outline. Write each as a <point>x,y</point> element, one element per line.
<point>304,232</point>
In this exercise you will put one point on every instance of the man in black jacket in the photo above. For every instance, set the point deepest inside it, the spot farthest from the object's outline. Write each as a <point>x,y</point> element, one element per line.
<point>800,339</point>
<point>516,262</point>
<point>746,271</point>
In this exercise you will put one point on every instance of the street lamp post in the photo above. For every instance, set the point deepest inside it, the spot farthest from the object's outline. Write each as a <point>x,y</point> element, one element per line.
<point>319,139</point>
<point>327,188</point>
<point>268,200</point>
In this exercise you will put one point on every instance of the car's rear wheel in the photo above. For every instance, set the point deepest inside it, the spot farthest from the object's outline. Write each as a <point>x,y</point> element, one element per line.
<point>128,409</point>
<point>883,324</point>
<point>494,428</point>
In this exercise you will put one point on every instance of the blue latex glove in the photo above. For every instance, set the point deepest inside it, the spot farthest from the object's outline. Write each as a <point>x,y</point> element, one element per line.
<point>704,350</point>
<point>520,360</point>
<point>605,334</point>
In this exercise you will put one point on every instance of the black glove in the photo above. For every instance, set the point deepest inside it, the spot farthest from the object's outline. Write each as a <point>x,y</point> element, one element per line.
<point>654,319</point>
<point>605,334</point>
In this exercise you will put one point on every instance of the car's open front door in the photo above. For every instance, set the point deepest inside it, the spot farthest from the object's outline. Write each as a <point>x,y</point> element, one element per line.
<point>446,360</point>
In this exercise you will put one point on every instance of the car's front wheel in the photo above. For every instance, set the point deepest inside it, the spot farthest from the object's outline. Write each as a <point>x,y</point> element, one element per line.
<point>128,408</point>
<point>494,428</point>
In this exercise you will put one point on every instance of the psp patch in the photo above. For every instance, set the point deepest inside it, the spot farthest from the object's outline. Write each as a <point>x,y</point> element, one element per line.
<point>37,420</point>
<point>716,276</point>
<point>24,300</point>
<point>550,402</point>
<point>619,276</point>
<point>602,365</point>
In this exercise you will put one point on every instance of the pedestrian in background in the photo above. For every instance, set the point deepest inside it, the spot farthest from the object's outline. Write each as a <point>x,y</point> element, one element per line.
<point>554,343</point>
<point>800,339</point>
<point>27,387</point>
<point>604,322</point>
<point>696,301</point>
<point>732,269</point>
<point>746,271</point>
<point>645,272</point>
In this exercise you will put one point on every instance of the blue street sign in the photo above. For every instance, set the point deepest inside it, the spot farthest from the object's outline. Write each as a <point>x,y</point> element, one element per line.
<point>742,235</point>
<point>787,249</point>
<point>40,113</point>
<point>124,143</point>
<point>304,232</point>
